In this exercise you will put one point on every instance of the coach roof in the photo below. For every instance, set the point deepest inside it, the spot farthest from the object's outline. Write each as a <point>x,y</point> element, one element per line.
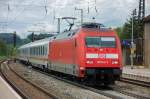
<point>36,43</point>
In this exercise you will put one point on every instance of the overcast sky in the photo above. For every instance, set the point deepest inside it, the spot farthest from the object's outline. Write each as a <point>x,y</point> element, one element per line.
<point>28,15</point>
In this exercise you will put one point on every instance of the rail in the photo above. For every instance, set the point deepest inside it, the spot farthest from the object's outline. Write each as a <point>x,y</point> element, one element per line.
<point>107,93</point>
<point>136,82</point>
<point>21,92</point>
<point>96,90</point>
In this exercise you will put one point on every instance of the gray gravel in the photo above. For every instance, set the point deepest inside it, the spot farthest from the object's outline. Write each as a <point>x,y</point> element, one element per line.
<point>134,89</point>
<point>61,89</point>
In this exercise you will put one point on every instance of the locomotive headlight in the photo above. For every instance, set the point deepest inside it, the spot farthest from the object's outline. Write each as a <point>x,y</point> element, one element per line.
<point>89,62</point>
<point>82,68</point>
<point>114,62</point>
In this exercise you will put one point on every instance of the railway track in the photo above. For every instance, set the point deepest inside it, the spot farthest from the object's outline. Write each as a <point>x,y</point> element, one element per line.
<point>119,89</point>
<point>21,93</point>
<point>135,82</point>
<point>18,90</point>
<point>111,92</point>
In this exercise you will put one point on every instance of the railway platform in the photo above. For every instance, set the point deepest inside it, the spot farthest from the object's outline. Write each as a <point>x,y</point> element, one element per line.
<point>141,74</point>
<point>6,91</point>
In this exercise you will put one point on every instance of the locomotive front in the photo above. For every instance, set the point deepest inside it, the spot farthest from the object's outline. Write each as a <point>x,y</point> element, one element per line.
<point>102,56</point>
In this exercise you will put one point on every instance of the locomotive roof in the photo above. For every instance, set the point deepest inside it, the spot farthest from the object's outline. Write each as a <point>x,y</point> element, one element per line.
<point>66,34</point>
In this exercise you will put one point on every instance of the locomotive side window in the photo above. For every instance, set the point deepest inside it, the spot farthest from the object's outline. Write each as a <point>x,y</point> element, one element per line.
<point>101,42</point>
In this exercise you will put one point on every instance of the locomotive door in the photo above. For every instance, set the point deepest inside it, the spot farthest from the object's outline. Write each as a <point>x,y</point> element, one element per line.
<point>74,56</point>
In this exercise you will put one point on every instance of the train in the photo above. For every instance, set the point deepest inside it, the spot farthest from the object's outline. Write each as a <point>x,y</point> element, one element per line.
<point>90,53</point>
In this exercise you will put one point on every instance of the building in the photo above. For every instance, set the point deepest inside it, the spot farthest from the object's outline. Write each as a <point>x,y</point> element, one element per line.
<point>147,41</point>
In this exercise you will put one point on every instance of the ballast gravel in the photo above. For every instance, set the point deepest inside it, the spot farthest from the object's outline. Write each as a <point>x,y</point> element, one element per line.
<point>59,88</point>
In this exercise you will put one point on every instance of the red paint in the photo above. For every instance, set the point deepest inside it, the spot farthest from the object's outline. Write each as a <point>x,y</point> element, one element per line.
<point>72,50</point>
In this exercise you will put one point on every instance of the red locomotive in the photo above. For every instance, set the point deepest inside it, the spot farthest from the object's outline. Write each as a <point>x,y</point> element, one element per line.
<point>90,53</point>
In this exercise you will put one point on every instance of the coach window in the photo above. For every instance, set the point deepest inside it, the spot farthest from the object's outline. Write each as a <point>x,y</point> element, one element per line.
<point>30,51</point>
<point>43,50</point>
<point>33,51</point>
<point>39,50</point>
<point>24,51</point>
<point>36,50</point>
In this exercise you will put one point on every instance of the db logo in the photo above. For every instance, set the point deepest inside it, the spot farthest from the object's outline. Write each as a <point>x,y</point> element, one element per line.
<point>102,55</point>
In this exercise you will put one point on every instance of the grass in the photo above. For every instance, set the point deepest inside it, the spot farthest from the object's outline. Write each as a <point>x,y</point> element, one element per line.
<point>2,57</point>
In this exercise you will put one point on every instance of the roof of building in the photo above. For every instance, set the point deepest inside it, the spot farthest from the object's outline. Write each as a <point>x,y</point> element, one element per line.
<point>147,19</point>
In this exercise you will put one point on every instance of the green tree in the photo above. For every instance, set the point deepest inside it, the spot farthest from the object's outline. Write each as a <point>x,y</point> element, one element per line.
<point>39,36</point>
<point>3,48</point>
<point>119,31</point>
<point>138,29</point>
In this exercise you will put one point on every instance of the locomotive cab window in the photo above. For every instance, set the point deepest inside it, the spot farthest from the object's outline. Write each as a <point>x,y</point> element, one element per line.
<point>101,42</point>
<point>92,41</point>
<point>108,42</point>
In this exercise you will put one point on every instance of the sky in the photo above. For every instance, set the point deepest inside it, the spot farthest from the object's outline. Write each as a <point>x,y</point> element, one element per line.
<point>24,16</point>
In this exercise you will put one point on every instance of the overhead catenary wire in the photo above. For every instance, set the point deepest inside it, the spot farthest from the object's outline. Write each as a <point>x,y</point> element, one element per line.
<point>45,7</point>
<point>17,15</point>
<point>7,17</point>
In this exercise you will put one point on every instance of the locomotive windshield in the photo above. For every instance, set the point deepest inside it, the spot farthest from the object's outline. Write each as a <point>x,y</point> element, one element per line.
<point>100,42</point>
